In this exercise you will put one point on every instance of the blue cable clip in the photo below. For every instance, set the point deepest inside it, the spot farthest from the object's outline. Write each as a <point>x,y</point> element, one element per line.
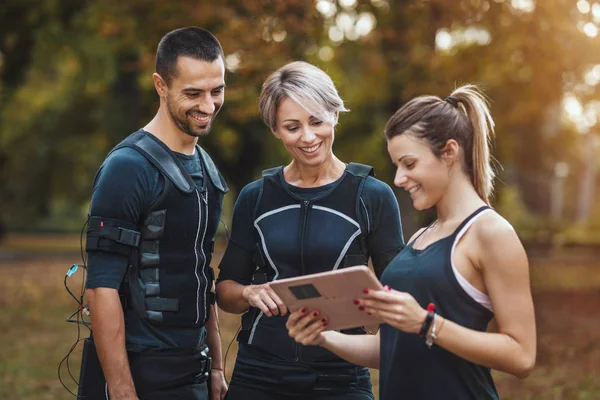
<point>72,270</point>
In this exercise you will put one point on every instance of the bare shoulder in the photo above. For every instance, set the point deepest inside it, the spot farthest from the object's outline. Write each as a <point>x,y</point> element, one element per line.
<point>497,239</point>
<point>491,227</point>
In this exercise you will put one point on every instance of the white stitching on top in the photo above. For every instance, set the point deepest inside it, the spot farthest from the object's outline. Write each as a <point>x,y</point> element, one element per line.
<point>339,214</point>
<point>204,256</point>
<point>276,211</point>
<point>264,245</point>
<point>348,243</point>
<point>196,254</point>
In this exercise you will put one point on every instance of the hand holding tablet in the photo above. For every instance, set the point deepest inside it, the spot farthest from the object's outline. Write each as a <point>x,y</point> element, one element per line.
<point>332,293</point>
<point>263,298</point>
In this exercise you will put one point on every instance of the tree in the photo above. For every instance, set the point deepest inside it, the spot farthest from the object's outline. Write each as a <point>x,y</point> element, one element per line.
<point>76,79</point>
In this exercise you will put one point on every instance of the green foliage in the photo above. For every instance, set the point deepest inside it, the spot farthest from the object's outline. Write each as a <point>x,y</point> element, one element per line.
<point>75,78</point>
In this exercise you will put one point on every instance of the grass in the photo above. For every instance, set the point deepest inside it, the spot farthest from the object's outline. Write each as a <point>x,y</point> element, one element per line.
<point>35,336</point>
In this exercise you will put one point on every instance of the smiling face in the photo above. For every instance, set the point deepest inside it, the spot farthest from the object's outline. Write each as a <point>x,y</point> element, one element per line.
<point>307,138</point>
<point>195,94</point>
<point>418,171</point>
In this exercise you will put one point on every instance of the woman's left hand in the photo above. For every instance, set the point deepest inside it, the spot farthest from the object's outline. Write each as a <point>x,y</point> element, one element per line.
<point>398,309</point>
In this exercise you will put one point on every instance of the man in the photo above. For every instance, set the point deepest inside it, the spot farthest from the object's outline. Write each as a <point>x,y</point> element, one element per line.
<point>155,209</point>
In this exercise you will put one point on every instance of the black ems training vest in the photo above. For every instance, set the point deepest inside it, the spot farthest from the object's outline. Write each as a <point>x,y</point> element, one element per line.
<point>169,278</point>
<point>298,237</point>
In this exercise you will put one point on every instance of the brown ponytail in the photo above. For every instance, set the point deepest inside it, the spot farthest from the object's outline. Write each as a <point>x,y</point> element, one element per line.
<point>476,108</point>
<point>464,116</point>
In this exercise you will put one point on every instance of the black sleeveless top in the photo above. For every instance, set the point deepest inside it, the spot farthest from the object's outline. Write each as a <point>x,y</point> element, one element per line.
<point>409,369</point>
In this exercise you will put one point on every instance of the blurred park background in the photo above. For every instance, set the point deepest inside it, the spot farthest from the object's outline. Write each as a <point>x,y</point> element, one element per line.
<point>75,79</point>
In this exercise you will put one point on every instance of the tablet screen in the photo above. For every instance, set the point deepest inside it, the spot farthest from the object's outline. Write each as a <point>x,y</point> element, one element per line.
<point>307,291</point>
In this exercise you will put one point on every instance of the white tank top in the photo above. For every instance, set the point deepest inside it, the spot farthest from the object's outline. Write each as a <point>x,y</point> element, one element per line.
<point>471,290</point>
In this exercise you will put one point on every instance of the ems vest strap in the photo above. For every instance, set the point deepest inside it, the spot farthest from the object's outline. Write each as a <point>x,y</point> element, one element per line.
<point>361,170</point>
<point>263,273</point>
<point>111,235</point>
<point>155,317</point>
<point>270,171</point>
<point>154,225</point>
<point>211,298</point>
<point>244,335</point>
<point>149,274</point>
<point>162,158</point>
<point>258,258</point>
<point>162,304</point>
<point>248,320</point>
<point>152,289</point>
<point>212,171</point>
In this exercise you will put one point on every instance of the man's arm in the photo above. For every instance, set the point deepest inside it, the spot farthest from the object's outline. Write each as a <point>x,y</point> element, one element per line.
<point>213,340</point>
<point>125,186</point>
<point>108,327</point>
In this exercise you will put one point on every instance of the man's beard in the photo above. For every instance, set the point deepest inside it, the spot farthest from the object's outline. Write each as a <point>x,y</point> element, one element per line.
<point>187,126</point>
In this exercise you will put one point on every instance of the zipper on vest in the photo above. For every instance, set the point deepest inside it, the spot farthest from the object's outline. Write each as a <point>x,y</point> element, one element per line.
<point>206,288</point>
<point>305,208</point>
<point>202,198</point>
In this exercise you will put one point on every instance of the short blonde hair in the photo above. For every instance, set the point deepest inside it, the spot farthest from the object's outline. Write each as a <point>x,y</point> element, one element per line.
<point>304,83</point>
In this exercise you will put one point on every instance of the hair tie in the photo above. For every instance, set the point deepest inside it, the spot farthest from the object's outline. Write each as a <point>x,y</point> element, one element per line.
<point>452,101</point>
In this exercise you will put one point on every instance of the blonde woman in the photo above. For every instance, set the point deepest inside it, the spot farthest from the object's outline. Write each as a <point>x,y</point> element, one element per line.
<point>454,275</point>
<point>313,215</point>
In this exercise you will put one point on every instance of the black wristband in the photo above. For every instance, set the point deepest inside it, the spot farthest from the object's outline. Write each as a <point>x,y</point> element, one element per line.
<point>426,324</point>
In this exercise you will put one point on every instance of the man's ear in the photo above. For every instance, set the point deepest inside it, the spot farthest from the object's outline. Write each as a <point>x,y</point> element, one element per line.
<point>160,85</point>
<point>451,151</point>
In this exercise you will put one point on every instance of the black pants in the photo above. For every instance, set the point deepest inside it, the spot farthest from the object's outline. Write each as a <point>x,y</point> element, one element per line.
<point>238,391</point>
<point>259,375</point>
<point>164,374</point>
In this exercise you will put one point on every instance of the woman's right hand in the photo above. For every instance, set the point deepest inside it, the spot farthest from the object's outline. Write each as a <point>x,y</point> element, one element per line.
<point>307,328</point>
<point>265,299</point>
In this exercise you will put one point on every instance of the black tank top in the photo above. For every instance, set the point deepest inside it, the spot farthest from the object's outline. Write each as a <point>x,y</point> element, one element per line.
<point>409,369</point>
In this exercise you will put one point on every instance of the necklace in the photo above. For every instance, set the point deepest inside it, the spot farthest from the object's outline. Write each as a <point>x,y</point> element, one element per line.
<point>424,232</point>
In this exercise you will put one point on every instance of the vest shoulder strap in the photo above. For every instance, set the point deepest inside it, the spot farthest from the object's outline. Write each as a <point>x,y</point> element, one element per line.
<point>360,170</point>
<point>267,173</point>
<point>212,171</point>
<point>158,154</point>
<point>270,172</point>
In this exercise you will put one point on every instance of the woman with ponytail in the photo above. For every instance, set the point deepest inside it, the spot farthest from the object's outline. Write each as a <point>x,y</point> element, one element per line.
<point>454,276</point>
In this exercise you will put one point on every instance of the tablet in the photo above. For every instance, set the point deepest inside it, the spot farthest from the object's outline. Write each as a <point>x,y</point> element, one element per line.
<point>332,293</point>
